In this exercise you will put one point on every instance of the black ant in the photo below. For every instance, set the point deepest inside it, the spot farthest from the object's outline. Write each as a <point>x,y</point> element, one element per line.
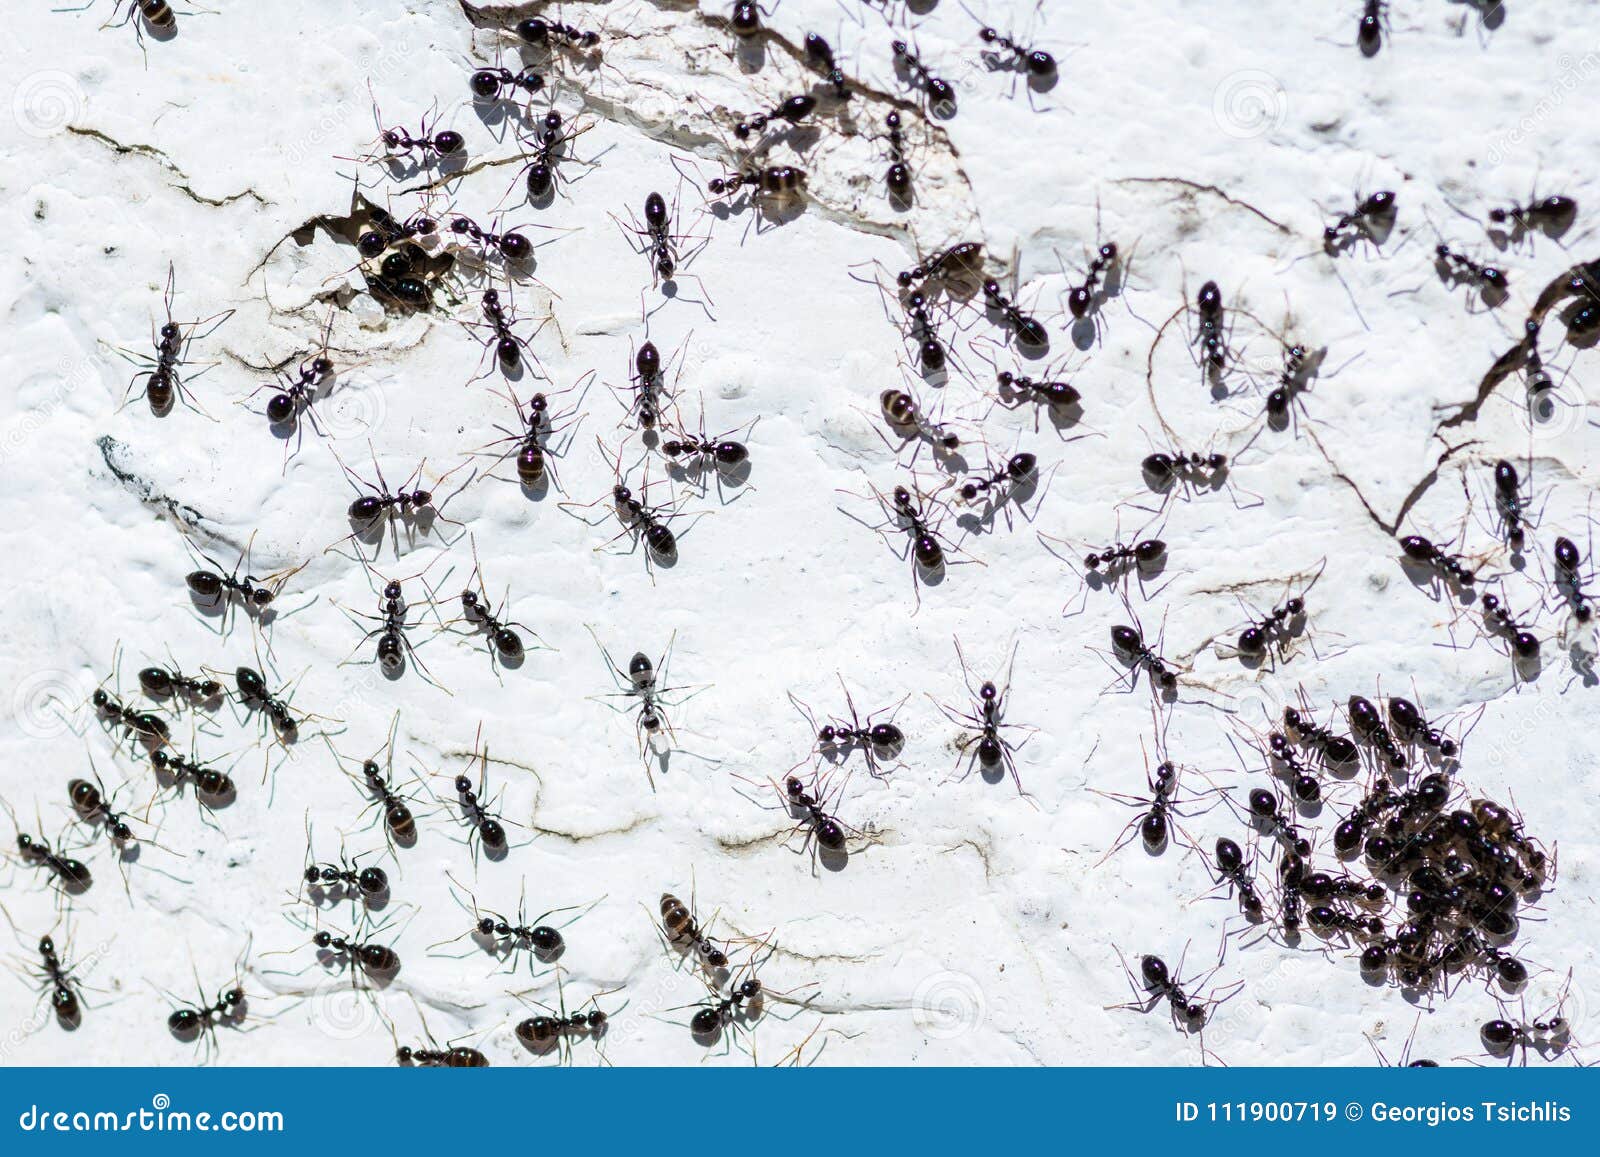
<point>1037,63</point>
<point>959,263</point>
<point>254,693</point>
<point>699,453</point>
<point>1303,784</point>
<point>487,828</point>
<point>1108,565</point>
<point>163,384</point>
<point>1056,394</point>
<point>371,884</point>
<point>511,245</point>
<point>1267,810</point>
<point>793,109</point>
<point>1369,33</point>
<point>220,589</point>
<point>1235,874</point>
<point>1552,215</point>
<point>905,418</point>
<point>1273,632</point>
<point>1570,578</point>
<point>1523,642</point>
<point>399,821</point>
<point>549,147</point>
<point>477,609</point>
<point>1511,505</point>
<point>682,928</point>
<point>1550,1035</point>
<point>820,54</point>
<point>1371,219</point>
<point>370,512</point>
<point>1424,552</point>
<point>647,524</point>
<point>388,231</point>
<point>453,1057</point>
<point>1082,299</point>
<point>503,937</point>
<point>296,394</point>
<point>648,385</point>
<point>1159,811</point>
<point>353,952</point>
<point>1411,726</point>
<point>192,1023</point>
<point>837,738</point>
<point>898,175</point>
<point>1189,1012</point>
<point>745,19</point>
<point>812,808</point>
<point>146,726</point>
<point>1367,722</point>
<point>170,683</point>
<point>909,513</point>
<point>530,444</point>
<point>772,185</point>
<point>1029,330</point>
<point>64,990</point>
<point>555,1028</point>
<point>398,142</point>
<point>1137,655</point>
<point>394,646</point>
<point>541,33</point>
<point>92,805</point>
<point>71,876</point>
<point>1212,336</point>
<point>213,788</point>
<point>657,241</point>
<point>509,349</point>
<point>488,84</point>
<point>1010,482</point>
<point>1294,379</point>
<point>1337,750</point>
<point>1490,281</point>
<point>990,749</point>
<point>1189,470</point>
<point>941,93</point>
<point>644,682</point>
<point>920,327</point>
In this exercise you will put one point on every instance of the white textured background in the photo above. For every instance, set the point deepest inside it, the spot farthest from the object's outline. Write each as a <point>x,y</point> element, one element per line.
<point>975,928</point>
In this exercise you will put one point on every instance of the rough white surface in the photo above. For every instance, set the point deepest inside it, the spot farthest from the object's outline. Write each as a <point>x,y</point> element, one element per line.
<point>977,926</point>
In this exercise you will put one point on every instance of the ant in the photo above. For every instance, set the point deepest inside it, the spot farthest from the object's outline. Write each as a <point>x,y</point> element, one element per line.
<point>1552,215</point>
<point>511,245</point>
<point>549,150</point>
<point>1410,725</point>
<point>1189,470</point>
<point>502,937</point>
<point>1029,331</point>
<point>645,682</point>
<point>1371,219</point>
<point>1303,785</point>
<point>1490,281</point>
<point>297,394</point>
<point>254,693</point>
<point>1274,631</point>
<point>558,1027</point>
<point>646,523</point>
<point>488,84</point>
<point>1511,505</point>
<point>170,683</point>
<point>1369,33</point>
<point>453,1057</point>
<point>1038,64</point>
<point>370,883</point>
<point>209,783</point>
<point>64,990</point>
<point>504,641</point>
<point>388,231</point>
<point>162,382</point>
<point>990,749</point>
<point>1189,1013</point>
<point>812,809</point>
<point>1549,1036</point>
<point>353,953</point>
<point>509,349</point>
<point>745,19</point>
<point>158,14</point>
<point>147,726</point>
<point>905,418</point>
<point>220,590</point>
<point>1107,565</point>
<point>90,802</point>
<point>836,739</point>
<point>489,830</point>
<point>683,929</point>
<point>1570,578</point>
<point>1130,646</point>
<point>1294,379</point>
<point>1367,722</point>
<point>1084,298</point>
<point>394,647</point>
<point>400,823</point>
<point>1010,482</point>
<point>1212,336</point>
<point>191,1023</point>
<point>648,384</point>
<point>958,263</point>
<point>793,109</point>
<point>898,176</point>
<point>541,33</point>
<point>1267,810</point>
<point>920,327</point>
<point>1235,875</point>
<point>370,512</point>
<point>820,54</point>
<point>1017,389</point>
<point>398,142</point>
<point>1159,811</point>
<point>71,876</point>
<point>908,512</point>
<point>1426,553</point>
<point>940,93</point>
<point>769,184</point>
<point>665,249</point>
<point>530,444</point>
<point>1524,643</point>
<point>700,453</point>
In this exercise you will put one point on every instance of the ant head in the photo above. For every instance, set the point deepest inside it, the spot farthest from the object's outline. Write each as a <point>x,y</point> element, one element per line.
<point>391,589</point>
<point>988,692</point>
